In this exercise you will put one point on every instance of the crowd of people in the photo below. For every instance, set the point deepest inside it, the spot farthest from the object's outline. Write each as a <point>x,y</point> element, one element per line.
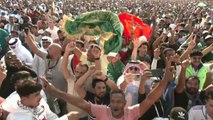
<point>46,75</point>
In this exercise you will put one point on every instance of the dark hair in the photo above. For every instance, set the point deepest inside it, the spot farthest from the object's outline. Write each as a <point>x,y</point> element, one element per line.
<point>164,44</point>
<point>196,53</point>
<point>27,87</point>
<point>83,65</point>
<point>166,50</point>
<point>193,77</point>
<point>117,91</point>
<point>95,81</point>
<point>21,75</point>
<point>144,43</point>
<point>80,42</point>
<point>59,31</point>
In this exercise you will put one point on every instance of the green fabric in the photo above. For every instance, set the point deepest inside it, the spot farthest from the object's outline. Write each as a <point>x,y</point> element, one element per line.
<point>3,35</point>
<point>208,57</point>
<point>201,74</point>
<point>144,58</point>
<point>104,20</point>
<point>115,71</point>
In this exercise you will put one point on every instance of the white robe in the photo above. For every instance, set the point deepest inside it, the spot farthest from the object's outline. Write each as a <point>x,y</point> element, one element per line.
<point>23,54</point>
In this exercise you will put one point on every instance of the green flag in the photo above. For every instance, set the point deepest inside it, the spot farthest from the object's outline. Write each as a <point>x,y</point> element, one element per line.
<point>102,26</point>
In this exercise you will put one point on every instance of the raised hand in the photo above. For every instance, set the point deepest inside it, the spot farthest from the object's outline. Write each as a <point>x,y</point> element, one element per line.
<point>70,46</point>
<point>192,43</point>
<point>3,72</point>
<point>99,75</point>
<point>2,67</point>
<point>185,63</point>
<point>157,53</point>
<point>47,85</point>
<point>128,77</point>
<point>146,75</point>
<point>170,70</point>
<point>91,69</point>
<point>136,43</point>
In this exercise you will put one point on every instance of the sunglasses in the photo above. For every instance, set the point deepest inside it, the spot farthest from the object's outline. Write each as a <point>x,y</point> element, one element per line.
<point>134,68</point>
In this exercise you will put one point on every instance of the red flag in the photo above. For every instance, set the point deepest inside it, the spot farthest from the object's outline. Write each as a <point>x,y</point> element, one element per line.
<point>132,23</point>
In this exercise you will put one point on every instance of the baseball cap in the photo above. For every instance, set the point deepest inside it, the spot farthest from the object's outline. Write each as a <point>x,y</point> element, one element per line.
<point>178,113</point>
<point>208,37</point>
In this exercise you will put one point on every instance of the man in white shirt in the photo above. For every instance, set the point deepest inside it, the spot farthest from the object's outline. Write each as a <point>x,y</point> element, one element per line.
<point>31,105</point>
<point>21,52</point>
<point>203,112</point>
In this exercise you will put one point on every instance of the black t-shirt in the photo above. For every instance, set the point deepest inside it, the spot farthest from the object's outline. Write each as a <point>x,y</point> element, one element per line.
<point>156,109</point>
<point>182,100</point>
<point>91,98</point>
<point>161,63</point>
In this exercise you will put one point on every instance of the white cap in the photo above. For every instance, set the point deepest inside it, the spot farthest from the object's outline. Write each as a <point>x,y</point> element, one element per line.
<point>112,54</point>
<point>142,39</point>
<point>208,37</point>
<point>205,31</point>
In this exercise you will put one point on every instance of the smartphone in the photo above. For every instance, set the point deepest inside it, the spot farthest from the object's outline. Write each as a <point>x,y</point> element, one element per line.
<point>157,72</point>
<point>137,77</point>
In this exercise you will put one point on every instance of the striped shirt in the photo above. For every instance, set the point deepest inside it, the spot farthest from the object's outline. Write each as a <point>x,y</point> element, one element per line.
<point>8,27</point>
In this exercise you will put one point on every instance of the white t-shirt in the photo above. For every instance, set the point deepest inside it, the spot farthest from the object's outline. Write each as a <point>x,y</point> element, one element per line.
<point>199,112</point>
<point>16,112</point>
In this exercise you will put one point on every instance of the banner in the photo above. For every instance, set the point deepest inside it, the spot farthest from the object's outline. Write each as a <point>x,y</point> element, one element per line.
<point>134,27</point>
<point>101,26</point>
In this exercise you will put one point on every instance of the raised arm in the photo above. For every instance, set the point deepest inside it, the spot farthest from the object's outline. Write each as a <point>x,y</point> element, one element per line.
<point>191,45</point>
<point>146,75</point>
<point>3,73</point>
<point>162,37</point>
<point>76,50</point>
<point>76,101</point>
<point>31,43</point>
<point>182,77</point>
<point>100,75</point>
<point>207,50</point>
<point>80,82</point>
<point>64,64</point>
<point>156,58</point>
<point>154,95</point>
<point>136,44</point>
<point>97,54</point>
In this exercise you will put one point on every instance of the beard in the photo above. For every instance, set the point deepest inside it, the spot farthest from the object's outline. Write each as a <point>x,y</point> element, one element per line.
<point>192,91</point>
<point>100,96</point>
